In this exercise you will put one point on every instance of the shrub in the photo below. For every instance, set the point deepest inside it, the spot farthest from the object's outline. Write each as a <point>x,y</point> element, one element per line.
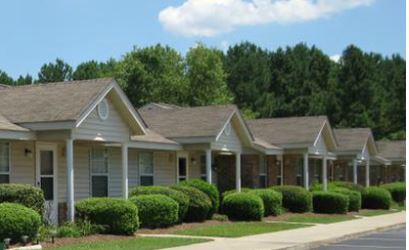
<point>295,199</point>
<point>68,230</point>
<point>25,195</point>
<point>376,198</point>
<point>243,206</point>
<point>232,191</point>
<point>181,198</point>
<point>17,220</point>
<point>354,198</point>
<point>78,229</point>
<point>199,203</point>
<point>329,202</point>
<point>397,191</point>
<point>116,215</point>
<point>156,210</point>
<point>272,200</point>
<point>347,185</point>
<point>207,188</point>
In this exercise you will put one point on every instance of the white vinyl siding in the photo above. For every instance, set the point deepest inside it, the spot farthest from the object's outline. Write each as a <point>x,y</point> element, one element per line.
<point>164,168</point>
<point>133,175</point>
<point>22,168</point>
<point>228,142</point>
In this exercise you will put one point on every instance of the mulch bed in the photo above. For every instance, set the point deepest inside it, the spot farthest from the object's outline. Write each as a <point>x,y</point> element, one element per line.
<point>171,230</point>
<point>87,239</point>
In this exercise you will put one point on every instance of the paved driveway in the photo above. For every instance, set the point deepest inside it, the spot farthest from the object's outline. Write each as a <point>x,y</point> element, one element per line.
<point>390,239</point>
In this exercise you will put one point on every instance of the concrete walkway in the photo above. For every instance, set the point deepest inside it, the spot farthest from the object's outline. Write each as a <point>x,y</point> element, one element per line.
<point>304,238</point>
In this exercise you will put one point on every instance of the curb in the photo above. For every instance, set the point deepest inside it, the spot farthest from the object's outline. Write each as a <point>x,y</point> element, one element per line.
<point>315,244</point>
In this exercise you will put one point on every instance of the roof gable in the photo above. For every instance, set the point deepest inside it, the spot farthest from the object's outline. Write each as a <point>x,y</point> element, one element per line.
<point>393,150</point>
<point>355,140</point>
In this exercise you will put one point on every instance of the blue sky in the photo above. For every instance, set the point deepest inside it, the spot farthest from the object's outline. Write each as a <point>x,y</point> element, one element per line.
<point>36,32</point>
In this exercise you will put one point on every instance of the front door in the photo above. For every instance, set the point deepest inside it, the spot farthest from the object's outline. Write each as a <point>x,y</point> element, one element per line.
<point>182,167</point>
<point>46,175</point>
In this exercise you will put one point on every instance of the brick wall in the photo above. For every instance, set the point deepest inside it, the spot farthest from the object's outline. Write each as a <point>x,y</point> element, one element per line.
<point>272,170</point>
<point>291,169</point>
<point>250,171</point>
<point>225,167</point>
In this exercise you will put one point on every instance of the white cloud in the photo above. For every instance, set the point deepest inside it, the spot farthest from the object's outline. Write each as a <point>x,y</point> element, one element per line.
<point>335,57</point>
<point>212,17</point>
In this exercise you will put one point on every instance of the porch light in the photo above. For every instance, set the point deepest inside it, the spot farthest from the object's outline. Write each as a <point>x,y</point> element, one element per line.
<point>225,153</point>
<point>28,153</point>
<point>278,162</point>
<point>193,160</point>
<point>7,243</point>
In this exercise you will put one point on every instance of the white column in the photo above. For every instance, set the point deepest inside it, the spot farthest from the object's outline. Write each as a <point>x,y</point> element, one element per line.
<point>124,150</point>
<point>238,171</point>
<point>324,173</point>
<point>367,173</point>
<point>282,170</point>
<point>209,165</point>
<point>355,170</point>
<point>69,146</point>
<point>306,172</point>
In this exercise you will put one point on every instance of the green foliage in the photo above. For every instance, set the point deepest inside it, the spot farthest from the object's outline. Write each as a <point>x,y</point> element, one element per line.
<point>199,203</point>
<point>78,229</point>
<point>93,69</point>
<point>5,78</point>
<point>181,198</point>
<point>156,210</point>
<point>354,197</point>
<point>243,206</point>
<point>347,185</point>
<point>116,215</point>
<point>397,190</point>
<point>23,194</point>
<point>330,202</point>
<point>243,190</point>
<point>55,72</point>
<point>17,220</point>
<point>209,189</point>
<point>272,200</point>
<point>376,198</point>
<point>295,199</point>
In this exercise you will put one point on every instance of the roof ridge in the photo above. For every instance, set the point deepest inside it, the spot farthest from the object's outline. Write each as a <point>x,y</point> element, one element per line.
<point>60,83</point>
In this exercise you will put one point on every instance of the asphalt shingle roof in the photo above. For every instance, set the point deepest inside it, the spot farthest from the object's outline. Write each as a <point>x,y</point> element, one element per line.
<point>7,125</point>
<point>393,150</point>
<point>352,139</point>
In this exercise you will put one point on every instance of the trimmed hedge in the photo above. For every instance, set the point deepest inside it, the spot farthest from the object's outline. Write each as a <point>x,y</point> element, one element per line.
<point>397,190</point>
<point>26,195</point>
<point>376,198</point>
<point>181,198</point>
<point>207,188</point>
<point>243,206</point>
<point>329,202</point>
<point>347,185</point>
<point>199,204</point>
<point>232,191</point>
<point>117,216</point>
<point>354,198</point>
<point>17,220</point>
<point>156,210</point>
<point>272,200</point>
<point>295,199</point>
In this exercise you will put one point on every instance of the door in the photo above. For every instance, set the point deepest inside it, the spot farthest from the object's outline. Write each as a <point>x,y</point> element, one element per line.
<point>46,169</point>
<point>182,167</point>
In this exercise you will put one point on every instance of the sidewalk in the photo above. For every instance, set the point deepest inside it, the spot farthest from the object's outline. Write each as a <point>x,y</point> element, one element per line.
<point>304,238</point>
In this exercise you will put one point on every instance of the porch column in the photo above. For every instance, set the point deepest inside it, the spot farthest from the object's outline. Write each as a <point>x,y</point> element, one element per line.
<point>238,171</point>
<point>306,172</point>
<point>282,170</point>
<point>69,146</point>
<point>355,170</point>
<point>124,150</point>
<point>209,165</point>
<point>367,183</point>
<point>324,173</point>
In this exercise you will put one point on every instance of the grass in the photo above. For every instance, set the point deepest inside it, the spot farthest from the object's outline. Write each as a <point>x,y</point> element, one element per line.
<point>320,219</point>
<point>238,229</point>
<point>375,212</point>
<point>137,243</point>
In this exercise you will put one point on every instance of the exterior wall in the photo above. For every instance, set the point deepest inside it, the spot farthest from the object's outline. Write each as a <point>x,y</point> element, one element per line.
<point>250,171</point>
<point>194,168</point>
<point>164,168</point>
<point>291,169</point>
<point>22,168</point>
<point>230,142</point>
<point>114,128</point>
<point>272,171</point>
<point>343,170</point>
<point>225,169</point>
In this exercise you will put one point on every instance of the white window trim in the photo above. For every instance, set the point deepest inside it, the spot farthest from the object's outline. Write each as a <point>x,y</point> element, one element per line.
<point>186,156</point>
<point>260,174</point>
<point>99,111</point>
<point>140,168</point>
<point>99,174</point>
<point>203,175</point>
<point>8,172</point>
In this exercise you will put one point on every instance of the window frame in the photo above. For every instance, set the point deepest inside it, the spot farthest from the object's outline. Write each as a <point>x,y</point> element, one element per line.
<point>263,174</point>
<point>203,176</point>
<point>92,174</point>
<point>178,176</point>
<point>8,173</point>
<point>140,168</point>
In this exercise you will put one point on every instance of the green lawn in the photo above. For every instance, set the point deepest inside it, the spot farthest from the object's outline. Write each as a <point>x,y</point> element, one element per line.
<point>376,212</point>
<point>238,229</point>
<point>320,219</point>
<point>139,243</point>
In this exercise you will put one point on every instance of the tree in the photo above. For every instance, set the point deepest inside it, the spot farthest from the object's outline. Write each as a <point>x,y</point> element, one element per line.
<point>93,70</point>
<point>206,76</point>
<point>24,80</point>
<point>5,78</point>
<point>55,72</point>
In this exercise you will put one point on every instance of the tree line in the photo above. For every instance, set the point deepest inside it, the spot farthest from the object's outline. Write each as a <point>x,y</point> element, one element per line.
<point>360,90</point>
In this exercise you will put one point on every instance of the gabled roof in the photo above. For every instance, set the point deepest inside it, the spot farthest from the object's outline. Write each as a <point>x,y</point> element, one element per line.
<point>8,126</point>
<point>354,140</point>
<point>290,130</point>
<point>392,150</point>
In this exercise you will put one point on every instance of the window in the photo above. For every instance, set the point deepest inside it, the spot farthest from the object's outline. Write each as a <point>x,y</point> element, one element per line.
<point>4,162</point>
<point>146,168</point>
<point>315,170</point>
<point>182,169</point>
<point>300,172</point>
<point>263,173</point>
<point>279,173</point>
<point>203,174</point>
<point>99,172</point>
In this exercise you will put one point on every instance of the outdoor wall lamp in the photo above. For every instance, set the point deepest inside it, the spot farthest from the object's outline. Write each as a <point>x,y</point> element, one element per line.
<point>278,162</point>
<point>193,160</point>
<point>28,153</point>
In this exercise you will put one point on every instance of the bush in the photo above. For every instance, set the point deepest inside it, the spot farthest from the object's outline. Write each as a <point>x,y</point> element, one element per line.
<point>25,195</point>
<point>295,199</point>
<point>17,220</point>
<point>347,185</point>
<point>272,200</point>
<point>156,210</point>
<point>232,191</point>
<point>181,198</point>
<point>329,202</point>
<point>376,198</point>
<point>243,206</point>
<point>78,229</point>
<point>207,188</point>
<point>397,191</point>
<point>117,216</point>
<point>199,203</point>
<point>354,198</point>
